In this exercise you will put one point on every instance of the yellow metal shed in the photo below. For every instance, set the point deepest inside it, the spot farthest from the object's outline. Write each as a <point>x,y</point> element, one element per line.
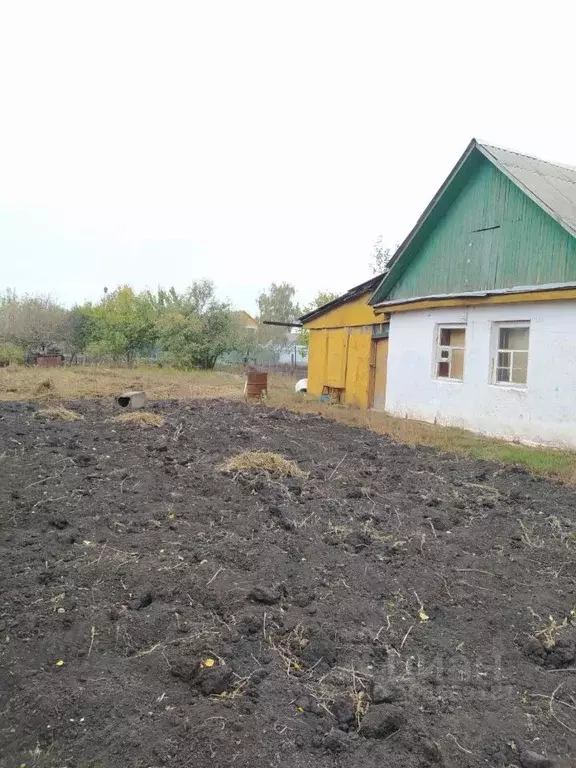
<point>348,349</point>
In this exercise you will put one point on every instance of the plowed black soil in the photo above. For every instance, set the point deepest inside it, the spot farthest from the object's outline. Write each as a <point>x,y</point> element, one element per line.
<point>396,607</point>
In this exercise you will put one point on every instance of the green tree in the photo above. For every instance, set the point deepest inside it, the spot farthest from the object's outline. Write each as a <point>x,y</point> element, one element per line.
<point>11,353</point>
<point>123,325</point>
<point>195,329</point>
<point>380,256</point>
<point>247,343</point>
<point>80,328</point>
<point>194,299</point>
<point>322,297</point>
<point>277,303</point>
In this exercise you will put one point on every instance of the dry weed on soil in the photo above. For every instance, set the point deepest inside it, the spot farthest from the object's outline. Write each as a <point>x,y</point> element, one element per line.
<point>140,418</point>
<point>57,413</point>
<point>254,461</point>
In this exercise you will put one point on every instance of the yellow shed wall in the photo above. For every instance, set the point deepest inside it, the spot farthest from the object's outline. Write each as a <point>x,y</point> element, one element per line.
<point>355,312</point>
<point>358,367</point>
<point>317,360</point>
<point>339,348</point>
<point>335,372</point>
<point>340,357</point>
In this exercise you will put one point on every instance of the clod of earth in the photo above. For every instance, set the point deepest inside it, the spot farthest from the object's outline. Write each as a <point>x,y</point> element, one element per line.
<point>215,680</point>
<point>143,601</point>
<point>343,709</point>
<point>386,693</point>
<point>381,721</point>
<point>335,741</point>
<point>432,751</point>
<point>59,521</point>
<point>320,648</point>
<point>534,760</point>
<point>266,595</point>
<point>561,654</point>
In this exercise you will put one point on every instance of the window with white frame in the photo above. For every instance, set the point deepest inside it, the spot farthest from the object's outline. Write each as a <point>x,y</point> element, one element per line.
<point>450,346</point>
<point>511,357</point>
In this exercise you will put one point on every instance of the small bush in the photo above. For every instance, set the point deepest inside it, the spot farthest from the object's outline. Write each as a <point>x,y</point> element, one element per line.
<point>57,413</point>
<point>262,460</point>
<point>141,418</point>
<point>11,353</point>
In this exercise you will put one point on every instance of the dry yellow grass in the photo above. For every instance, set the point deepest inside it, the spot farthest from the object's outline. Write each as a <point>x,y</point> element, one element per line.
<point>57,413</point>
<point>21,383</point>
<point>44,386</point>
<point>140,418</point>
<point>270,462</point>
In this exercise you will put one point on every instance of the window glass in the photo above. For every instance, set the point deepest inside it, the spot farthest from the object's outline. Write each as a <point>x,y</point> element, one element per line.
<point>450,353</point>
<point>512,355</point>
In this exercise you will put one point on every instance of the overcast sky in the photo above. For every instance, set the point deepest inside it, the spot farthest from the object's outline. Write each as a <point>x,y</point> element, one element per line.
<point>254,141</point>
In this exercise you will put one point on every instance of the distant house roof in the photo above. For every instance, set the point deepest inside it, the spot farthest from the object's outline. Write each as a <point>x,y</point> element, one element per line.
<point>550,185</point>
<point>244,319</point>
<point>353,293</point>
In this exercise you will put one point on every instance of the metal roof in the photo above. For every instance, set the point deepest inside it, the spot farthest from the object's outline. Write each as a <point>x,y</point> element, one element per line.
<point>551,186</point>
<point>481,294</point>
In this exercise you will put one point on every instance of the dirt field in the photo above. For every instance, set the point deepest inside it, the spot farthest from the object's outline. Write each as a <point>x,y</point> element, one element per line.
<point>57,384</point>
<point>393,606</point>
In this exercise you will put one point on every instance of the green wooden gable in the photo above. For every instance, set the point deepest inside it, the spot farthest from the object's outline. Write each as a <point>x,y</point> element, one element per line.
<point>500,221</point>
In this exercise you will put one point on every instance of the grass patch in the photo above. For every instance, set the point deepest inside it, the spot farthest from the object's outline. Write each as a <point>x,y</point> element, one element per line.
<point>262,460</point>
<point>57,413</point>
<point>142,418</point>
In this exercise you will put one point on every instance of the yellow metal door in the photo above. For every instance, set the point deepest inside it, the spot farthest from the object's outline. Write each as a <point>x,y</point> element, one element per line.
<point>317,360</point>
<point>337,358</point>
<point>379,365</point>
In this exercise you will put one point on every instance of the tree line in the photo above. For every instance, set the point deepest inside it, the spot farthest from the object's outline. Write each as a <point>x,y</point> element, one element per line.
<point>186,329</point>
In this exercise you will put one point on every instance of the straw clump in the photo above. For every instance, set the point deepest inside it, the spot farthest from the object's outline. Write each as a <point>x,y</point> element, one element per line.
<point>255,461</point>
<point>57,413</point>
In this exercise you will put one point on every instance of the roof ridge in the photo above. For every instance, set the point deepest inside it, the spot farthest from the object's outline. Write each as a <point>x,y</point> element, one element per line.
<point>488,146</point>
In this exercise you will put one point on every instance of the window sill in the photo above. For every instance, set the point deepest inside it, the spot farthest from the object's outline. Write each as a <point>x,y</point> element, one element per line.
<point>446,379</point>
<point>510,387</point>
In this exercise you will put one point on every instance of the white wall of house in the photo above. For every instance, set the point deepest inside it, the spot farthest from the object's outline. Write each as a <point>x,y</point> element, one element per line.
<point>543,411</point>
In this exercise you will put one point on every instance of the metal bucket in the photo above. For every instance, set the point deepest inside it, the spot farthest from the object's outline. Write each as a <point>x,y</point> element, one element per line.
<point>256,385</point>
